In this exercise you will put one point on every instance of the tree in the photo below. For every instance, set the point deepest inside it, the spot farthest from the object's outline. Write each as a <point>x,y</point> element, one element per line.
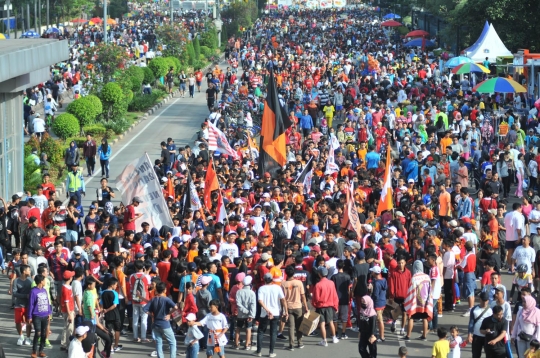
<point>173,38</point>
<point>192,60</point>
<point>197,47</point>
<point>104,61</point>
<point>117,8</point>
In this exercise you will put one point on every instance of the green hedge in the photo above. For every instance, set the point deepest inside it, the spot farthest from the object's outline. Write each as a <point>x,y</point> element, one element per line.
<point>66,125</point>
<point>95,130</point>
<point>112,93</point>
<point>206,51</point>
<point>78,140</point>
<point>136,75</point>
<point>86,109</point>
<point>148,76</point>
<point>142,103</point>
<point>159,67</point>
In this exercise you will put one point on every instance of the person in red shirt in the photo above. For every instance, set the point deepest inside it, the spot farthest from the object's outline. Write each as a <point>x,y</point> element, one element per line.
<point>48,241</point>
<point>68,309</point>
<point>136,247</point>
<point>129,215</point>
<point>325,300</point>
<point>33,211</point>
<point>48,187</point>
<point>95,265</point>
<point>48,215</point>
<point>164,267</point>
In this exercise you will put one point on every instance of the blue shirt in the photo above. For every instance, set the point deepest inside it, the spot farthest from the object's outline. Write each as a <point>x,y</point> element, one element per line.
<point>160,307</point>
<point>372,160</point>
<point>464,208</point>
<point>213,285</point>
<point>412,170</point>
<point>379,293</point>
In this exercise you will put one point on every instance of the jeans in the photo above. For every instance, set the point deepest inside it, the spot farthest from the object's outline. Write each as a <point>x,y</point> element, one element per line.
<point>159,334</point>
<point>192,350</point>
<point>40,326</point>
<point>434,323</point>
<point>191,90</point>
<point>76,194</point>
<point>104,167</point>
<point>263,324</point>
<point>107,339</point>
<point>364,346</point>
<point>139,312</point>
<point>295,320</point>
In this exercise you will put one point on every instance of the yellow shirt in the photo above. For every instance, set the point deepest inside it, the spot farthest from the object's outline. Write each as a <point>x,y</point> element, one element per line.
<point>329,111</point>
<point>441,348</point>
<point>398,112</point>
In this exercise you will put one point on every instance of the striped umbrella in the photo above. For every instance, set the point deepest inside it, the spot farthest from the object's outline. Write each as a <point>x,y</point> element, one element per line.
<point>468,68</point>
<point>499,84</point>
<point>454,61</point>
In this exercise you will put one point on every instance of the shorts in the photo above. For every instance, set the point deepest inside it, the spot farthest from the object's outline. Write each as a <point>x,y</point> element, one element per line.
<point>210,351</point>
<point>400,302</point>
<point>198,83</point>
<point>517,306</point>
<point>183,86</point>
<point>510,245</point>
<point>170,84</point>
<point>339,108</point>
<point>20,314</point>
<point>469,284</point>
<point>244,323</point>
<point>327,314</point>
<point>113,326</point>
<point>71,236</point>
<point>420,315</point>
<point>343,313</point>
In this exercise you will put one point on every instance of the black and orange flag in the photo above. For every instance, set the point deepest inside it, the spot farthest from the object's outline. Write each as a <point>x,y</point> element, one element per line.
<point>275,121</point>
<point>210,184</point>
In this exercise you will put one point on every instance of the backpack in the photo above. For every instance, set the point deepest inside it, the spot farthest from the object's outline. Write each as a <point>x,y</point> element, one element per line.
<point>140,288</point>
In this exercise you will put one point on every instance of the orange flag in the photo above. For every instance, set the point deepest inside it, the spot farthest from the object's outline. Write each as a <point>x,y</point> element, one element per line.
<point>386,194</point>
<point>170,189</point>
<point>210,184</point>
<point>266,231</point>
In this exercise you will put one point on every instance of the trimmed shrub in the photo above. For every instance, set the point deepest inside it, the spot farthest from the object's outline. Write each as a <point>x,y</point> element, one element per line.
<point>95,130</point>
<point>111,93</point>
<point>197,47</point>
<point>148,76</point>
<point>191,54</point>
<point>206,51</point>
<point>66,125</point>
<point>141,103</point>
<point>78,140</point>
<point>86,109</point>
<point>33,142</point>
<point>175,63</point>
<point>53,148</point>
<point>159,67</point>
<point>136,75</point>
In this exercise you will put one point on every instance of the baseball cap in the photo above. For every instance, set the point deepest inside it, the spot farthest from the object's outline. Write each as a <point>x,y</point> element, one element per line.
<point>137,199</point>
<point>376,269</point>
<point>247,280</point>
<point>265,256</point>
<point>191,317</point>
<point>400,241</point>
<point>484,296</point>
<point>316,248</point>
<point>360,255</point>
<point>68,274</point>
<point>267,175</point>
<point>206,280</point>
<point>139,255</point>
<point>176,239</point>
<point>192,266</point>
<point>268,277</point>
<point>247,254</point>
<point>212,247</point>
<point>390,250</point>
<point>81,330</point>
<point>240,277</point>
<point>96,252</point>
<point>323,271</point>
<point>105,232</point>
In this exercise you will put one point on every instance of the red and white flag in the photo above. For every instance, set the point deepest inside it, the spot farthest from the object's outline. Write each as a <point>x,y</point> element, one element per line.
<point>218,141</point>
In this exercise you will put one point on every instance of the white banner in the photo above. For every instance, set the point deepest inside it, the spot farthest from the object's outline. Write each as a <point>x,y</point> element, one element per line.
<point>331,166</point>
<point>139,179</point>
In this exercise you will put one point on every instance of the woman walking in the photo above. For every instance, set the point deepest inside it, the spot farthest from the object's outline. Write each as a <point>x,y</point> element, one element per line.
<point>504,165</point>
<point>39,310</point>
<point>367,344</point>
<point>104,152</point>
<point>527,324</point>
<point>520,174</point>
<point>419,302</point>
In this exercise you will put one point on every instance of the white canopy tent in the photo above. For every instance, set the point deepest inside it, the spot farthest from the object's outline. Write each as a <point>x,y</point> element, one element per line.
<point>488,45</point>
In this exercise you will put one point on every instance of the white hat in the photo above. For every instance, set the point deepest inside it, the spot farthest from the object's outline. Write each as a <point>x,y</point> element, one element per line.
<point>186,238</point>
<point>376,269</point>
<point>453,223</point>
<point>81,330</point>
<point>247,254</point>
<point>403,188</point>
<point>266,195</point>
<point>164,179</point>
<point>368,228</point>
<point>394,229</point>
<point>399,214</point>
<point>77,250</point>
<point>410,181</point>
<point>265,257</point>
<point>212,247</point>
<point>238,201</point>
<point>247,280</point>
<point>191,317</point>
<point>302,228</point>
<point>147,245</point>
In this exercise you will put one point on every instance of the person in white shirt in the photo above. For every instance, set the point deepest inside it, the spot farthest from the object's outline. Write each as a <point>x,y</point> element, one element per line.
<point>524,254</point>
<point>478,314</point>
<point>75,349</point>
<point>455,343</point>
<point>470,236</point>
<point>534,225</point>
<point>39,126</point>
<point>229,248</point>
<point>515,230</point>
<point>449,261</point>
<point>271,299</point>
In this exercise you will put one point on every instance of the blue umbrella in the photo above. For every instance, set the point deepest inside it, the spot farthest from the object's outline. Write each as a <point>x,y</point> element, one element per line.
<point>30,35</point>
<point>418,43</point>
<point>391,16</point>
<point>456,61</point>
<point>53,30</point>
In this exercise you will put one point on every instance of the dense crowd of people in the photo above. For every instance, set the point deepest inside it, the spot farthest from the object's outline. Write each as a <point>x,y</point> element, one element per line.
<point>286,247</point>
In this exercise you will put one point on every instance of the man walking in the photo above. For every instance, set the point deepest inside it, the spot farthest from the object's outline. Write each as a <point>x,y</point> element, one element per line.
<point>89,152</point>
<point>270,297</point>
<point>160,307</point>
<point>295,299</point>
<point>325,300</point>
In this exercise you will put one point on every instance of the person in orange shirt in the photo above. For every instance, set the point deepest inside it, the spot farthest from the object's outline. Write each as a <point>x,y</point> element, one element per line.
<point>48,214</point>
<point>275,271</point>
<point>445,202</point>
<point>198,79</point>
<point>426,213</point>
<point>193,251</point>
<point>445,141</point>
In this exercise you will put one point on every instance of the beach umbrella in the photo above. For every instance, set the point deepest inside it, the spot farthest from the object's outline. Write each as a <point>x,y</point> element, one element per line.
<point>3,37</point>
<point>391,16</point>
<point>52,30</point>
<point>96,20</point>
<point>417,33</point>
<point>30,35</point>
<point>468,68</point>
<point>111,21</point>
<point>391,23</point>
<point>455,61</point>
<point>420,43</point>
<point>79,21</point>
<point>499,84</point>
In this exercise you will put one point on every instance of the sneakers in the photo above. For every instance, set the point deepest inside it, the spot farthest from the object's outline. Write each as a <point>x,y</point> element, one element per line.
<point>313,334</point>
<point>281,336</point>
<point>335,339</point>
<point>20,341</point>
<point>300,346</point>
<point>323,343</point>
<point>257,354</point>
<point>402,332</point>
<point>48,344</point>
<point>422,338</point>
<point>153,354</point>
<point>354,329</point>
<point>118,349</point>
<point>27,342</point>
<point>439,315</point>
<point>466,314</point>
<point>406,339</point>
<point>33,355</point>
<point>290,348</point>
<point>393,327</point>
<point>272,355</point>
<point>344,336</point>
<point>42,355</point>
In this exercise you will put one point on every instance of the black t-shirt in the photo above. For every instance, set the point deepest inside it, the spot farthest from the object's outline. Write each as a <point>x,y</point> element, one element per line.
<point>71,224</point>
<point>209,76</point>
<point>108,297</point>
<point>342,282</point>
<point>211,92</point>
<point>165,155</point>
<point>362,272</point>
<point>112,245</point>
<point>496,328</point>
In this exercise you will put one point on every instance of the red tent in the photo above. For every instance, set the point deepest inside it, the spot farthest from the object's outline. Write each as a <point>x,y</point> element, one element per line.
<point>391,23</point>
<point>417,33</point>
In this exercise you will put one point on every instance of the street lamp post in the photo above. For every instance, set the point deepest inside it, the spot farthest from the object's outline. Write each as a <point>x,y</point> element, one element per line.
<point>7,7</point>
<point>105,21</point>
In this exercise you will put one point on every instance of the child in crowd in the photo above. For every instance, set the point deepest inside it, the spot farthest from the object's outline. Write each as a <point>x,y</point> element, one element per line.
<point>192,336</point>
<point>402,352</point>
<point>533,350</point>
<point>456,343</point>
<point>441,348</point>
